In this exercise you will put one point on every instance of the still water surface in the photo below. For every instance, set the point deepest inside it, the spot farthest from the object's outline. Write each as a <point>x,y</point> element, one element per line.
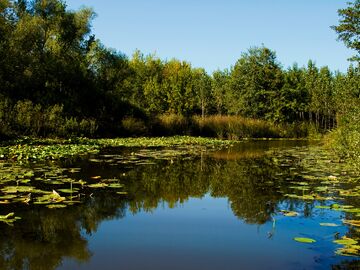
<point>214,210</point>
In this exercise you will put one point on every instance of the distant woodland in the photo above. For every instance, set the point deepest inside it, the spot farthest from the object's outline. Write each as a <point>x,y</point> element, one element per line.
<point>58,79</point>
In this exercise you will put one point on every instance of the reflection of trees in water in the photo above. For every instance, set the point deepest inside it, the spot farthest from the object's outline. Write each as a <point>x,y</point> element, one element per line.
<point>251,185</point>
<point>45,236</point>
<point>347,265</point>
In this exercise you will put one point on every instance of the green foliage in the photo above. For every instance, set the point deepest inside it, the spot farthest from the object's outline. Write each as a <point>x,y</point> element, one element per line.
<point>54,149</point>
<point>256,80</point>
<point>57,79</point>
<point>25,118</point>
<point>304,240</point>
<point>349,27</point>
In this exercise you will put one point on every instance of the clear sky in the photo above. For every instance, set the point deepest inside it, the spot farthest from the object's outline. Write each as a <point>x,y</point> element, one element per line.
<point>213,33</point>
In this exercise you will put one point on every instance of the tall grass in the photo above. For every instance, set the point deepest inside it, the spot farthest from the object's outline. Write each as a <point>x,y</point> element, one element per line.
<point>235,127</point>
<point>229,127</point>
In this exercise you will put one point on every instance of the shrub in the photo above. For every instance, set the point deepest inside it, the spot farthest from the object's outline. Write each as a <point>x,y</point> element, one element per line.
<point>134,126</point>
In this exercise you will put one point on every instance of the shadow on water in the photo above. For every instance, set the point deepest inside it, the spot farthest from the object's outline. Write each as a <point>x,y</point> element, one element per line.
<point>249,176</point>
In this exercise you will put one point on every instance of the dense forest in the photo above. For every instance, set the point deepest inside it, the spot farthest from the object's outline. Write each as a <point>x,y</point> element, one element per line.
<point>58,79</point>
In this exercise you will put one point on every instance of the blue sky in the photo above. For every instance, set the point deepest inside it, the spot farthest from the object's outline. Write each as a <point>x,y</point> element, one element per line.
<point>213,33</point>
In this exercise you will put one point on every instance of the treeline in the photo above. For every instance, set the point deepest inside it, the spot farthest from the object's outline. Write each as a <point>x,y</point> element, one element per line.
<point>56,78</point>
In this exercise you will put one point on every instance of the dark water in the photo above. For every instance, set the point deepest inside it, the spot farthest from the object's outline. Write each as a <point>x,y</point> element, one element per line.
<point>214,210</point>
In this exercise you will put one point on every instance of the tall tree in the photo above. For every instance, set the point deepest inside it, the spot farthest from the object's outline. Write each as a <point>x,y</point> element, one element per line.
<point>220,91</point>
<point>294,96</point>
<point>202,83</point>
<point>256,80</point>
<point>349,27</point>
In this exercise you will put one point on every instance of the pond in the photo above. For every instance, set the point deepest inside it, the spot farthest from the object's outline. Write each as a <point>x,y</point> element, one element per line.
<point>256,205</point>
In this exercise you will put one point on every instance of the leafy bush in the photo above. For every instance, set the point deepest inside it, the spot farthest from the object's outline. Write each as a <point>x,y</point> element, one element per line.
<point>27,119</point>
<point>134,126</point>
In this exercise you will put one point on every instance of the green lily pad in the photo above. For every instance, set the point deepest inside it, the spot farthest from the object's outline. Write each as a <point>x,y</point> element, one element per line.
<point>98,185</point>
<point>289,213</point>
<point>7,197</point>
<point>115,185</point>
<point>345,241</point>
<point>55,206</point>
<point>304,240</point>
<point>68,190</point>
<point>16,189</point>
<point>329,224</point>
<point>351,250</point>
<point>355,223</point>
<point>7,216</point>
<point>322,207</point>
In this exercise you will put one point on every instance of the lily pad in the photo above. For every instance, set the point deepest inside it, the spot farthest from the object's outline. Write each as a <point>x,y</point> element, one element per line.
<point>329,224</point>
<point>322,207</point>
<point>115,185</point>
<point>55,206</point>
<point>355,223</point>
<point>289,213</point>
<point>98,185</point>
<point>304,240</point>
<point>345,241</point>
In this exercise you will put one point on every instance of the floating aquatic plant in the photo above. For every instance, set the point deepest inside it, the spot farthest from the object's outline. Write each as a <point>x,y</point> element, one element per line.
<point>304,240</point>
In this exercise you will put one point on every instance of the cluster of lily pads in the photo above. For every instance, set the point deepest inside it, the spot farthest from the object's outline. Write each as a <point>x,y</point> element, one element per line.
<point>163,142</point>
<point>48,185</point>
<point>56,187</point>
<point>327,183</point>
<point>53,149</point>
<point>144,156</point>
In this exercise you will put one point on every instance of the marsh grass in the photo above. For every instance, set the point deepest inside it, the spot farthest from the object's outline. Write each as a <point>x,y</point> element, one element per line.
<point>236,127</point>
<point>229,127</point>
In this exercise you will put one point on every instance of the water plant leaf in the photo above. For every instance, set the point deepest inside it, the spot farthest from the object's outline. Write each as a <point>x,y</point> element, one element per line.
<point>55,206</point>
<point>289,213</point>
<point>74,170</point>
<point>322,207</point>
<point>7,197</point>
<point>115,185</point>
<point>345,241</point>
<point>355,223</point>
<point>304,240</point>
<point>68,190</point>
<point>329,224</point>
<point>352,250</point>
<point>7,216</point>
<point>97,185</point>
<point>16,189</point>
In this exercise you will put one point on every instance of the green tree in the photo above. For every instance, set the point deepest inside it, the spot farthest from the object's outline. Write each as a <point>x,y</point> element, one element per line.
<point>311,75</point>
<point>255,80</point>
<point>179,88</point>
<point>294,96</point>
<point>220,91</point>
<point>202,83</point>
<point>348,29</point>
